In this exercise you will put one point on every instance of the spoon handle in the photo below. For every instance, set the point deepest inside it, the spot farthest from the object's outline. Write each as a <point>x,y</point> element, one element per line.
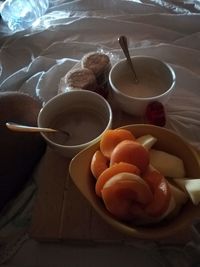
<point>124,45</point>
<point>22,128</point>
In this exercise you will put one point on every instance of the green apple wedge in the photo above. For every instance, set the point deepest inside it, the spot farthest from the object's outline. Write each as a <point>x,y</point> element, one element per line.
<point>191,187</point>
<point>167,164</point>
<point>147,141</point>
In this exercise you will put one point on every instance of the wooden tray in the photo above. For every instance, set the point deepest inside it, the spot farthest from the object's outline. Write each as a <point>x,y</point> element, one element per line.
<point>62,213</point>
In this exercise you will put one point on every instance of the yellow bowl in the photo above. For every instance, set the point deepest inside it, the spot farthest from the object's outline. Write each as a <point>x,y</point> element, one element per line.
<point>169,142</point>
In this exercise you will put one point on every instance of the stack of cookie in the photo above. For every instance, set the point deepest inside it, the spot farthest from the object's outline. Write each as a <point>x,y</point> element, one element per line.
<point>91,75</point>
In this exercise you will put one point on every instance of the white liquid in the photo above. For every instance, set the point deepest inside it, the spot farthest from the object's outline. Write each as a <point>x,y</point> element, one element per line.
<point>149,85</point>
<point>83,125</point>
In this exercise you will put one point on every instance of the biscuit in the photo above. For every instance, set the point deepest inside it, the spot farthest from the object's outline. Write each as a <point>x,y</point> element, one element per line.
<point>99,63</point>
<point>82,78</point>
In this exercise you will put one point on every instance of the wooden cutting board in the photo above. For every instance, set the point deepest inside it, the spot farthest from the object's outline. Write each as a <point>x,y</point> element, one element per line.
<point>62,213</point>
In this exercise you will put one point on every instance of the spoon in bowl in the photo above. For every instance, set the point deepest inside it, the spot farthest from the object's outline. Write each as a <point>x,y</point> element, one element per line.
<point>24,128</point>
<point>124,45</point>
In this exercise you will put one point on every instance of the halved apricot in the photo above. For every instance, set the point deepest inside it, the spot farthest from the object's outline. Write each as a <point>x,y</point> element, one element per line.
<point>161,192</point>
<point>98,163</point>
<point>113,170</point>
<point>111,138</point>
<point>130,152</point>
<point>125,194</point>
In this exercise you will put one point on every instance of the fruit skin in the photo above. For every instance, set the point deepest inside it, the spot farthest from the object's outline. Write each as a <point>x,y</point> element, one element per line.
<point>19,152</point>
<point>125,195</point>
<point>111,138</point>
<point>113,170</point>
<point>98,164</point>
<point>161,192</point>
<point>131,152</point>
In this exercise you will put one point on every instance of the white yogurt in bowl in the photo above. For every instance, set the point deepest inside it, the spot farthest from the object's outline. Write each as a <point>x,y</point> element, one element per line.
<point>82,124</point>
<point>156,83</point>
<point>83,114</point>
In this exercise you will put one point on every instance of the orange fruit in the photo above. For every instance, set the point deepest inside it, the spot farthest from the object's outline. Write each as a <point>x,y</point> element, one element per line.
<point>98,163</point>
<point>111,138</point>
<point>125,195</point>
<point>161,192</point>
<point>130,152</point>
<point>111,171</point>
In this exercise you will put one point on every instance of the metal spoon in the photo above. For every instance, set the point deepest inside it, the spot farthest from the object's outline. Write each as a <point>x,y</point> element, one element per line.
<point>124,45</point>
<point>24,128</point>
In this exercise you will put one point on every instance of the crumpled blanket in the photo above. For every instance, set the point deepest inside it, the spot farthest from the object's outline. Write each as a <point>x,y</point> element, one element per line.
<point>34,61</point>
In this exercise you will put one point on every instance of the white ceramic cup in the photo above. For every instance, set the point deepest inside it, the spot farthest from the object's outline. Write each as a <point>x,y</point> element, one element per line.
<point>84,114</point>
<point>156,83</point>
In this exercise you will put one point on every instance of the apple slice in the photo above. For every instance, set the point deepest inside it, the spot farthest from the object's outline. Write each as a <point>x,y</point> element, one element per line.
<point>167,164</point>
<point>192,187</point>
<point>147,141</point>
<point>180,196</point>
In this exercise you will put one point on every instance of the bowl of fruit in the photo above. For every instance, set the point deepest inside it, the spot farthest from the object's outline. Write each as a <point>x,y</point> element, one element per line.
<point>141,179</point>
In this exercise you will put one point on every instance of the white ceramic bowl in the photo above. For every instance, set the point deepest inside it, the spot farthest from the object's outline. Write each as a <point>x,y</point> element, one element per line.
<point>156,83</point>
<point>84,114</point>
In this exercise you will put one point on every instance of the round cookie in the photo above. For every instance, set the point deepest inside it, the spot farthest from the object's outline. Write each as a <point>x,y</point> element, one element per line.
<point>80,78</point>
<point>99,63</point>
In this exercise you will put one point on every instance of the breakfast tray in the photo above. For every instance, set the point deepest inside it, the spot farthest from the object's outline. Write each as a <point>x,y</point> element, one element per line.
<point>62,213</point>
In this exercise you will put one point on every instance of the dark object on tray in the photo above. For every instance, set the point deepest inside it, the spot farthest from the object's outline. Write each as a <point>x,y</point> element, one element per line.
<point>20,152</point>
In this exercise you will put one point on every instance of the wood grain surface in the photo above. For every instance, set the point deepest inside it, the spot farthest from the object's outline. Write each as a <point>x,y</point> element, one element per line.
<point>61,213</point>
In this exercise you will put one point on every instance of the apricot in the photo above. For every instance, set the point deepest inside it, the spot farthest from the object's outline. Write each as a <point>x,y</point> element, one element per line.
<point>98,163</point>
<point>111,138</point>
<point>113,170</point>
<point>130,152</point>
<point>161,192</point>
<point>125,195</point>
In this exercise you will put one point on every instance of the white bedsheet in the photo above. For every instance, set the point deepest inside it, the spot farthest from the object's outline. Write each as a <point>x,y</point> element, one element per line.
<point>34,61</point>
